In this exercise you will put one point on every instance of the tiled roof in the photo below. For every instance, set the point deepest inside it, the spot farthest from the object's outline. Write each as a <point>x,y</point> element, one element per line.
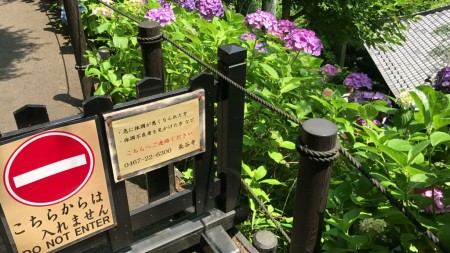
<point>422,54</point>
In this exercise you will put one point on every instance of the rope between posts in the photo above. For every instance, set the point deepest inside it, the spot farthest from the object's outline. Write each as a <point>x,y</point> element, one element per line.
<point>261,204</point>
<point>304,150</point>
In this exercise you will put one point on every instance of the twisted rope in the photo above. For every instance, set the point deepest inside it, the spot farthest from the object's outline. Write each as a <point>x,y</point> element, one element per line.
<point>261,204</point>
<point>153,40</point>
<point>316,154</point>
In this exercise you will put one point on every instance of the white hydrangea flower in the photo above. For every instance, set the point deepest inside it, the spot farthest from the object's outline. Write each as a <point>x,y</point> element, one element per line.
<point>406,101</point>
<point>371,224</point>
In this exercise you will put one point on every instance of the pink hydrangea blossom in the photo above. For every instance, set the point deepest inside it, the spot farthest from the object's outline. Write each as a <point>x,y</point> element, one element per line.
<point>210,8</point>
<point>439,207</point>
<point>248,36</point>
<point>164,16</point>
<point>303,39</point>
<point>282,28</point>
<point>260,20</point>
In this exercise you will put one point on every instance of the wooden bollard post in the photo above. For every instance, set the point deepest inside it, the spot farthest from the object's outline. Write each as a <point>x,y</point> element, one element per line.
<point>265,241</point>
<point>312,184</point>
<point>150,38</point>
<point>160,182</point>
<point>78,40</point>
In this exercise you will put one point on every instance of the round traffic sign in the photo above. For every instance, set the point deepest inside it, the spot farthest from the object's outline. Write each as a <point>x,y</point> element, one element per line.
<point>48,168</point>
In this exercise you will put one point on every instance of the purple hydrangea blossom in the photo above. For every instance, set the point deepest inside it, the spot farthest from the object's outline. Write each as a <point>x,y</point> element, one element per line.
<point>260,20</point>
<point>188,4</point>
<point>210,8</point>
<point>248,36</point>
<point>363,122</point>
<point>282,28</point>
<point>259,46</point>
<point>164,16</point>
<point>360,96</point>
<point>329,70</point>
<point>442,80</point>
<point>164,4</point>
<point>357,81</point>
<point>303,39</point>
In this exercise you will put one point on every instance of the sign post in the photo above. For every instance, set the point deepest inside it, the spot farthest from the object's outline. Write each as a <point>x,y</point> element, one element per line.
<point>54,190</point>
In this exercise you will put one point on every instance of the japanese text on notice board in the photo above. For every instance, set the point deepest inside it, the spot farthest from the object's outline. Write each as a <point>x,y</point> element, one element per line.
<point>149,139</point>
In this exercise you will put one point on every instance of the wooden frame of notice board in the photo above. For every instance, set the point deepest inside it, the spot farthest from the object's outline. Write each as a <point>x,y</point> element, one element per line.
<point>149,136</point>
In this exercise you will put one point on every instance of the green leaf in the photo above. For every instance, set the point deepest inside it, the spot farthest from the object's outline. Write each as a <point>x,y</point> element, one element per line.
<point>120,42</point>
<point>416,150</point>
<point>399,157</point>
<point>248,140</point>
<point>271,71</point>
<point>103,27</point>
<point>287,145</point>
<point>440,121</point>
<point>398,144</point>
<point>277,157</point>
<point>289,87</point>
<point>423,114</point>
<point>438,138</point>
<point>247,170</point>
<point>259,173</point>
<point>271,182</point>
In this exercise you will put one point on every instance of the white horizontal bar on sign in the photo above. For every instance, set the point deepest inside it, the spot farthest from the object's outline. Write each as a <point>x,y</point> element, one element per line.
<point>49,170</point>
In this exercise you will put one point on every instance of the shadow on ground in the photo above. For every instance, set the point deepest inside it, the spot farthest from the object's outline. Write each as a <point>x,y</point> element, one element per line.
<point>16,47</point>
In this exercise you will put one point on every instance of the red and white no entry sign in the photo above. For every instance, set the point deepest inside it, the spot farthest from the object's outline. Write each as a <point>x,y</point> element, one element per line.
<point>48,168</point>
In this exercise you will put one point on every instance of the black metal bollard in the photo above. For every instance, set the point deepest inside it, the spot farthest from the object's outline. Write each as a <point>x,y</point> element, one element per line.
<point>230,124</point>
<point>78,40</point>
<point>313,182</point>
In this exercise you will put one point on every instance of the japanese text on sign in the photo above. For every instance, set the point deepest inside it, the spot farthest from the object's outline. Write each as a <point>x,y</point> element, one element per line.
<point>152,135</point>
<point>60,198</point>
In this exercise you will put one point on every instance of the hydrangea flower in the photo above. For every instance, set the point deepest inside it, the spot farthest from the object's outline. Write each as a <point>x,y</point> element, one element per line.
<point>164,4</point>
<point>163,16</point>
<point>260,20</point>
<point>103,11</point>
<point>406,101</point>
<point>303,39</point>
<point>358,81</point>
<point>438,195</point>
<point>282,28</point>
<point>259,47</point>
<point>360,96</point>
<point>329,70</point>
<point>363,122</point>
<point>442,79</point>
<point>210,8</point>
<point>248,36</point>
<point>371,224</point>
<point>188,4</point>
